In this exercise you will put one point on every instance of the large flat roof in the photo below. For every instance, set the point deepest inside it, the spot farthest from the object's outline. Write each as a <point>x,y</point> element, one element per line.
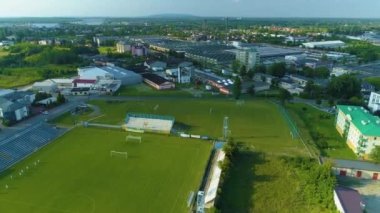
<point>367,123</point>
<point>117,72</point>
<point>317,43</point>
<point>270,51</point>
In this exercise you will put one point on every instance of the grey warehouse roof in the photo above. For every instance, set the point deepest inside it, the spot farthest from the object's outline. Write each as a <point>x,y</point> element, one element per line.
<point>354,164</point>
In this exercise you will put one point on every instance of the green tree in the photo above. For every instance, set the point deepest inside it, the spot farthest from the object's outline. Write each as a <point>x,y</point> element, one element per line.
<point>243,71</point>
<point>237,88</point>
<point>344,87</point>
<point>324,58</point>
<point>356,101</point>
<point>235,66</point>
<point>322,72</point>
<point>309,72</point>
<point>230,148</point>
<point>41,96</point>
<point>312,90</point>
<point>375,154</point>
<point>251,90</point>
<point>260,69</point>
<point>61,99</point>
<point>278,70</point>
<point>284,96</point>
<point>251,73</point>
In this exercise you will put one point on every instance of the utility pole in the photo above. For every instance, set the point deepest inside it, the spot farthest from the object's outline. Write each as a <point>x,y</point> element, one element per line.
<point>226,23</point>
<point>204,26</point>
<point>225,128</point>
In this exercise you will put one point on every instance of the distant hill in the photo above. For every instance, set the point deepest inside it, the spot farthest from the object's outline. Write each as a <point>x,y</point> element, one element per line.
<point>172,15</point>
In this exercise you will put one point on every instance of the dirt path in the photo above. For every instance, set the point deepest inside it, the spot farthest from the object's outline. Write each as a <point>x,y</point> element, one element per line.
<point>96,110</point>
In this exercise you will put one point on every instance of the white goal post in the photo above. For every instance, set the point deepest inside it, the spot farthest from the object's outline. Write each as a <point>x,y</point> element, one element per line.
<point>120,154</point>
<point>133,138</point>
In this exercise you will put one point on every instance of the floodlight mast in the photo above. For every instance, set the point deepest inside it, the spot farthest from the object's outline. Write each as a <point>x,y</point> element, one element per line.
<point>225,128</point>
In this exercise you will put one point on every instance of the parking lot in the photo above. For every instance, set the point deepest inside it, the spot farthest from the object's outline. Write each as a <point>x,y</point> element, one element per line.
<point>369,190</point>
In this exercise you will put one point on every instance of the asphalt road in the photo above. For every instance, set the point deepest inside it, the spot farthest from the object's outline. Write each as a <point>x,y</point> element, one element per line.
<point>73,102</point>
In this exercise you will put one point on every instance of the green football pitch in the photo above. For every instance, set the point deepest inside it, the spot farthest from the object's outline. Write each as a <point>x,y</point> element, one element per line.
<point>77,174</point>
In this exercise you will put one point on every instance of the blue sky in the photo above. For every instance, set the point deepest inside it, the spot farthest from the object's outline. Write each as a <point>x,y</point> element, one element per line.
<point>238,8</point>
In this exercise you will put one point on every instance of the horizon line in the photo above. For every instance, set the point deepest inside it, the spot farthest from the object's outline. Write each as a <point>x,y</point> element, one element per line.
<point>191,16</point>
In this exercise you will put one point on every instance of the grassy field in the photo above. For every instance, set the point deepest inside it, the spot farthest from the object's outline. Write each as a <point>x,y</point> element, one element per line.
<point>261,182</point>
<point>106,50</point>
<point>256,123</point>
<point>77,174</point>
<point>68,119</point>
<point>313,122</point>
<point>3,52</point>
<point>26,75</point>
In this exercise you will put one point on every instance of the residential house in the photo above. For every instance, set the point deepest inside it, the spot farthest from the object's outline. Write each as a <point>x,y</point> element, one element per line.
<point>47,86</point>
<point>374,102</point>
<point>15,106</point>
<point>366,89</point>
<point>157,82</point>
<point>359,127</point>
<point>264,78</point>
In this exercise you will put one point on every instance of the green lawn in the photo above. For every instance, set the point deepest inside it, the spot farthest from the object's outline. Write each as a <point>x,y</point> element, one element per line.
<point>257,123</point>
<point>145,90</point>
<point>314,122</point>
<point>77,174</point>
<point>21,76</point>
<point>106,50</point>
<point>3,52</point>
<point>68,119</point>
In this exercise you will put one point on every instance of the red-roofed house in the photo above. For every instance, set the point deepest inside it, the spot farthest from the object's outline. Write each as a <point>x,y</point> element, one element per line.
<point>80,83</point>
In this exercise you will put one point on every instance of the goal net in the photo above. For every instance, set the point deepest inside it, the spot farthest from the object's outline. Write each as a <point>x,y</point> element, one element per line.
<point>133,138</point>
<point>119,154</point>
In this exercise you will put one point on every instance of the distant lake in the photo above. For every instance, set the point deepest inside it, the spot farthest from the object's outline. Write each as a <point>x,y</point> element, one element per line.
<point>45,25</point>
<point>34,25</point>
<point>90,21</point>
<point>84,21</point>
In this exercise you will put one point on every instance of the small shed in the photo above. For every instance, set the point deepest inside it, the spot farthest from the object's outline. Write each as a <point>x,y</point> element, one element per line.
<point>355,168</point>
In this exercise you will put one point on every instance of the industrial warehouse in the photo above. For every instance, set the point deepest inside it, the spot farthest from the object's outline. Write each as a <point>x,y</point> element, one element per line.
<point>97,80</point>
